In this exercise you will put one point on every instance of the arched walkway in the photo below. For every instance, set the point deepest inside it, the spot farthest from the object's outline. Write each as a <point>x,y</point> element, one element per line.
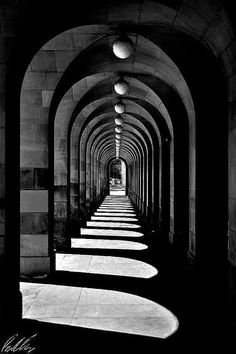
<point>160,228</point>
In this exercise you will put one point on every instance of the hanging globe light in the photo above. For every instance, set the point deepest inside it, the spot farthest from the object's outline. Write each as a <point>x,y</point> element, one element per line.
<point>117,141</point>
<point>123,47</point>
<point>118,129</point>
<point>121,87</point>
<point>118,136</point>
<point>119,107</point>
<point>119,120</point>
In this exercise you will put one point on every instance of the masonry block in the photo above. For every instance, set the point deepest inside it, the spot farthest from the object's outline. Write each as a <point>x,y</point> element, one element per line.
<point>191,21</point>
<point>61,144</point>
<point>207,8</point>
<point>33,245</point>
<point>218,36</point>
<point>44,61</point>
<point>2,246</point>
<point>2,221</point>
<point>27,223</point>
<point>60,209</point>
<point>2,181</point>
<point>31,114</point>
<point>27,178</point>
<point>34,223</point>
<point>192,242</point>
<point>2,145</point>
<point>2,110</point>
<point>60,193</point>
<point>52,80</point>
<point>3,75</point>
<point>34,158</point>
<point>41,223</point>
<point>41,178</point>
<point>61,237</point>
<point>158,11</point>
<point>34,81</point>
<point>131,10</point>
<point>232,247</point>
<point>31,98</point>
<point>232,179</point>
<point>192,219</point>
<point>32,266</point>
<point>232,213</point>
<point>34,201</point>
<point>46,98</point>
<point>64,58</point>
<point>62,42</point>
<point>44,112</point>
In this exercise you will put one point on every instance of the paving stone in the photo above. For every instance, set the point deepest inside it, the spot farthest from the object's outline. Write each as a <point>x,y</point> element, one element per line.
<point>96,308</point>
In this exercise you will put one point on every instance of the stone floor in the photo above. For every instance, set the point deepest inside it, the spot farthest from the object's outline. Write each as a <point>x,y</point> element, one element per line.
<point>97,308</point>
<point>107,244</point>
<point>102,309</point>
<point>104,265</point>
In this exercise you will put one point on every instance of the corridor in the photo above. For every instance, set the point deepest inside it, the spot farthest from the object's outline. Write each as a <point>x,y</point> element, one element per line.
<point>118,173</point>
<point>99,308</point>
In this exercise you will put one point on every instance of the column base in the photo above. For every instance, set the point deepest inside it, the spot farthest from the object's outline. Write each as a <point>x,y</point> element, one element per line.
<point>34,266</point>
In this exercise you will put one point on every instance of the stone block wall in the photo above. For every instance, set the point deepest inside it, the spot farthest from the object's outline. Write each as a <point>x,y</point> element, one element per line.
<point>34,250</point>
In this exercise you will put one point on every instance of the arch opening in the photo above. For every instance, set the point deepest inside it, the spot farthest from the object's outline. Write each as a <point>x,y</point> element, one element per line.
<point>117,177</point>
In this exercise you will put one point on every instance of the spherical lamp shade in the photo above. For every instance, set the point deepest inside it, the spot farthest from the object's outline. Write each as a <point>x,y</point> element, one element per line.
<point>119,120</point>
<point>117,142</point>
<point>123,47</point>
<point>118,129</point>
<point>118,136</point>
<point>119,107</point>
<point>121,87</point>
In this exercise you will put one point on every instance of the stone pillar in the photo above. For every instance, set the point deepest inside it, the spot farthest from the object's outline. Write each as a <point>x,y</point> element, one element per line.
<point>34,177</point>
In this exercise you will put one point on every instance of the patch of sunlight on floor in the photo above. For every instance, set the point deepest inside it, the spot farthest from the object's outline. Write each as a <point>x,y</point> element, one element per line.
<point>114,210</point>
<point>83,263</point>
<point>115,205</point>
<point>112,218</point>
<point>107,244</point>
<point>115,233</point>
<point>98,309</point>
<point>113,202</point>
<point>117,192</point>
<point>108,210</point>
<point>113,214</point>
<point>121,225</point>
<point>105,205</point>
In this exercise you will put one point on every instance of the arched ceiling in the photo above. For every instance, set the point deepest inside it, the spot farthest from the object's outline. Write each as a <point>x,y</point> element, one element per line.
<point>81,69</point>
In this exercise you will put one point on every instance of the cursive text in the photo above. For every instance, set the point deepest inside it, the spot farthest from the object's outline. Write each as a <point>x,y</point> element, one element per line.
<point>17,344</point>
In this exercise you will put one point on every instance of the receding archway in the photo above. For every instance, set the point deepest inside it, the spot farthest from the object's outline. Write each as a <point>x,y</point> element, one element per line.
<point>117,177</point>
